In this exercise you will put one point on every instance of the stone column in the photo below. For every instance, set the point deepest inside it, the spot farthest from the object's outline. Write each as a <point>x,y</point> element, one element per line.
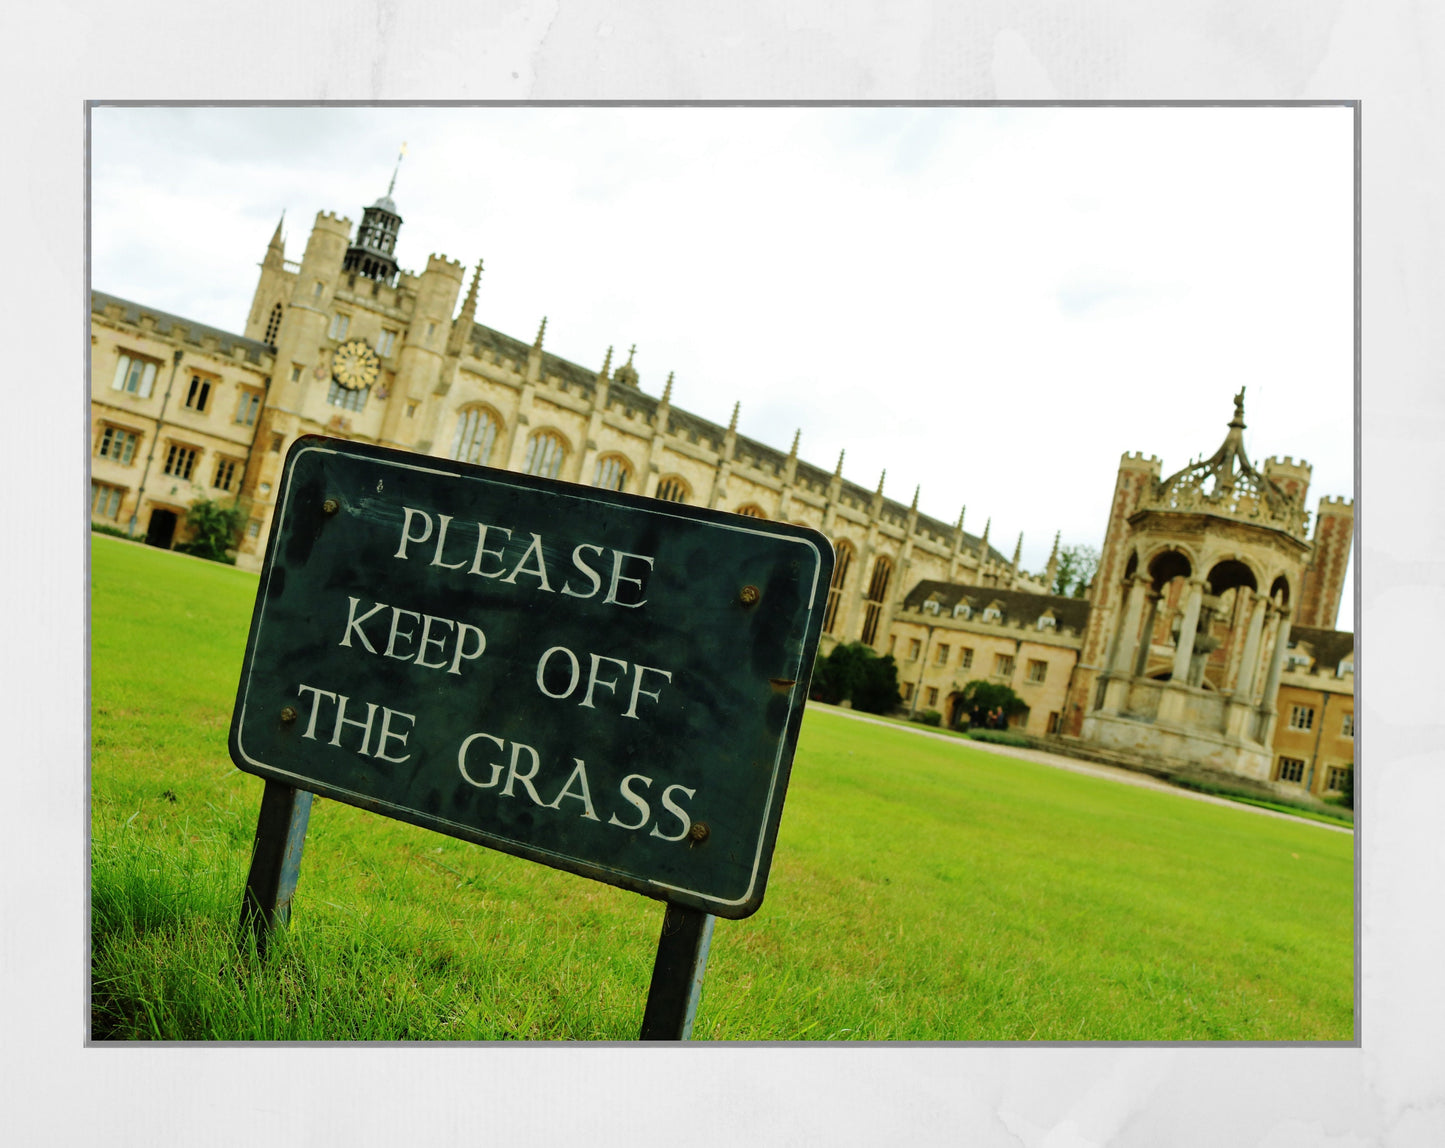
<point>1125,644</point>
<point>1247,671</point>
<point>1276,663</point>
<point>1141,661</point>
<point>1185,650</point>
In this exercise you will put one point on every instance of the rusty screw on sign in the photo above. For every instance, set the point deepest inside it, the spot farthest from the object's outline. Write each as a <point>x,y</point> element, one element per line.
<point>288,713</point>
<point>330,506</point>
<point>748,595</point>
<point>698,832</point>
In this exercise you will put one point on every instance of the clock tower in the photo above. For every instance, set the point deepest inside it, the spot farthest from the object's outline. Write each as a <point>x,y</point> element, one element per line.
<point>374,252</point>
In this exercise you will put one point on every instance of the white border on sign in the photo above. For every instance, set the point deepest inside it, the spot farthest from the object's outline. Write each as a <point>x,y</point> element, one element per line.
<point>664,510</point>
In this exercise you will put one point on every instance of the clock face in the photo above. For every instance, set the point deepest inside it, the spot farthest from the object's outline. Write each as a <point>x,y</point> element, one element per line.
<point>354,365</point>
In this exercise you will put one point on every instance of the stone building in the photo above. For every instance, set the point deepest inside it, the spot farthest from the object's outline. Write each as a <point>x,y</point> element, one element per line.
<point>174,407</point>
<point>345,342</point>
<point>1201,577</point>
<point>946,635</point>
<point>1180,655</point>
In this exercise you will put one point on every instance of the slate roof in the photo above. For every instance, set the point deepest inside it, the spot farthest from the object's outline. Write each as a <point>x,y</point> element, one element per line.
<point>1018,605</point>
<point>1329,647</point>
<point>189,330</point>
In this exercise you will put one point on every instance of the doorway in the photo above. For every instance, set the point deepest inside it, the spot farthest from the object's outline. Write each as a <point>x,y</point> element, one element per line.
<point>162,528</point>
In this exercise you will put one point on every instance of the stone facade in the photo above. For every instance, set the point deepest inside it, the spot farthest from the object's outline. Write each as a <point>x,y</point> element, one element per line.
<point>1179,656</point>
<point>174,407</point>
<point>1200,578</point>
<point>448,385</point>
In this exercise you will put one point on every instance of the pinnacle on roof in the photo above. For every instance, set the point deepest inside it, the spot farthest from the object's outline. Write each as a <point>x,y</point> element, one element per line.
<point>606,365</point>
<point>881,477</point>
<point>277,240</point>
<point>541,331</point>
<point>469,306</point>
<point>627,373</point>
<point>737,406</point>
<point>916,490</point>
<point>797,437</point>
<point>667,389</point>
<point>838,470</point>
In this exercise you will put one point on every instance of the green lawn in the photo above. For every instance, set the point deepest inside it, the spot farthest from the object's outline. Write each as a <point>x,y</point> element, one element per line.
<point>921,889</point>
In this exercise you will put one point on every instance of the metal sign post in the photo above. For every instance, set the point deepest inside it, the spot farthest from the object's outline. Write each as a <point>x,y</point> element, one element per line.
<point>275,862</point>
<point>677,973</point>
<point>603,683</point>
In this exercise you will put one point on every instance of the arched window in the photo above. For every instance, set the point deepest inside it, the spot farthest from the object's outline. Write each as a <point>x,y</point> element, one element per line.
<point>274,326</point>
<point>545,452</point>
<point>751,510</point>
<point>476,434</point>
<point>673,489</point>
<point>843,558</point>
<point>877,595</point>
<point>613,471</point>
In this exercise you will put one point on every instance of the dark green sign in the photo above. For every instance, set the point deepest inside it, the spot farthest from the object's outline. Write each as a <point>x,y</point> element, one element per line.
<point>604,683</point>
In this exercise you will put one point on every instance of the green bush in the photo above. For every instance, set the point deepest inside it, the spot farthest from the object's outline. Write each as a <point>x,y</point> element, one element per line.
<point>928,717</point>
<point>101,528</point>
<point>999,737</point>
<point>989,704</point>
<point>855,673</point>
<point>215,529</point>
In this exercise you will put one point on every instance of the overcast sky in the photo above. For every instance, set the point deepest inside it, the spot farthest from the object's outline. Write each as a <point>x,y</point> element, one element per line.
<point>992,303</point>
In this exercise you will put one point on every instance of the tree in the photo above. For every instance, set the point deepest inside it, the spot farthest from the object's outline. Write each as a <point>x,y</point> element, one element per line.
<point>989,704</point>
<point>1075,570</point>
<point>215,529</point>
<point>855,673</point>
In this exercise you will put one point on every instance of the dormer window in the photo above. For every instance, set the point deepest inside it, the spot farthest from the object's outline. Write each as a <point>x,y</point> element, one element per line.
<point>1346,666</point>
<point>931,606</point>
<point>992,613</point>
<point>1048,622</point>
<point>963,610</point>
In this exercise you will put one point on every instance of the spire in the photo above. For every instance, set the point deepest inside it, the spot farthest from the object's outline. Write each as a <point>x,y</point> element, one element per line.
<point>469,308</point>
<point>1018,550</point>
<point>667,390</point>
<point>838,470</point>
<point>983,542</point>
<point>881,477</point>
<point>606,366</point>
<point>1052,571</point>
<point>275,259</point>
<point>961,510</point>
<point>541,331</point>
<point>462,328</point>
<point>916,489</point>
<point>392,185</point>
<point>733,426</point>
<point>797,436</point>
